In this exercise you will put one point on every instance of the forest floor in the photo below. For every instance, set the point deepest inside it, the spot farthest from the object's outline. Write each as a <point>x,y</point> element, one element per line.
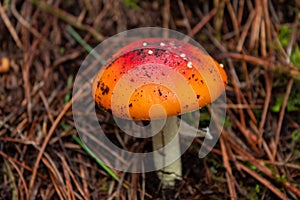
<point>258,153</point>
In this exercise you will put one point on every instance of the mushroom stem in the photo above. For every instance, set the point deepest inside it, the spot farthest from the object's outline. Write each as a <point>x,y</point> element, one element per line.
<point>170,173</point>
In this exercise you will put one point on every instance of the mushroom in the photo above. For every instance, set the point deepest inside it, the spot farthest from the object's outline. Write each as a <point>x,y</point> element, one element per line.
<point>158,78</point>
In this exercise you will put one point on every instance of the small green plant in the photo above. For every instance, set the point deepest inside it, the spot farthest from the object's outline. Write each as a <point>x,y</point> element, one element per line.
<point>213,170</point>
<point>69,85</point>
<point>65,127</point>
<point>295,140</point>
<point>62,50</point>
<point>131,3</point>
<point>281,179</point>
<point>227,122</point>
<point>257,188</point>
<point>295,57</point>
<point>284,37</point>
<point>293,103</point>
<point>251,166</point>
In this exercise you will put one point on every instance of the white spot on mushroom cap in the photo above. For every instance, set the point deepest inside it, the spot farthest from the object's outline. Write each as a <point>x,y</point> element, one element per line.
<point>182,55</point>
<point>190,64</point>
<point>150,52</point>
<point>162,44</point>
<point>221,65</point>
<point>145,44</point>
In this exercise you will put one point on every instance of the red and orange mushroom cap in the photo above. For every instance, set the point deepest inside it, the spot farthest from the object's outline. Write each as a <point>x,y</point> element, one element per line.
<point>175,75</point>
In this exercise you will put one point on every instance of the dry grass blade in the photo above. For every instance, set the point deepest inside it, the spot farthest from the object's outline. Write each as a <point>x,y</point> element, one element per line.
<point>204,20</point>
<point>22,21</point>
<point>219,17</point>
<point>46,140</point>
<point>268,81</point>
<point>10,159</point>
<point>233,18</point>
<point>56,178</point>
<point>83,175</point>
<point>10,27</point>
<point>66,171</point>
<point>293,36</point>
<point>71,177</point>
<point>12,180</point>
<point>185,18</point>
<point>68,18</point>
<point>50,116</point>
<point>166,13</point>
<point>23,182</point>
<point>247,58</point>
<point>248,134</point>
<point>281,115</point>
<point>256,25</point>
<point>68,57</point>
<point>28,58</point>
<point>229,176</point>
<point>245,31</point>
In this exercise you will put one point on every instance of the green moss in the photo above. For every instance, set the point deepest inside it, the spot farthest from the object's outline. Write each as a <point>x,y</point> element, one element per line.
<point>293,103</point>
<point>295,57</point>
<point>131,4</point>
<point>284,35</point>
